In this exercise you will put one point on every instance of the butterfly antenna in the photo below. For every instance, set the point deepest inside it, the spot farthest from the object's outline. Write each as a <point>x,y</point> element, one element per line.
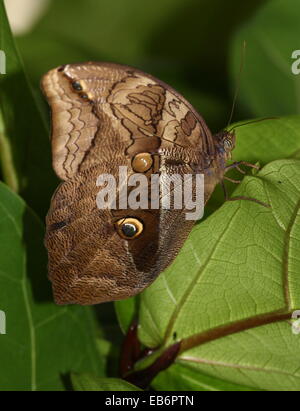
<point>238,81</point>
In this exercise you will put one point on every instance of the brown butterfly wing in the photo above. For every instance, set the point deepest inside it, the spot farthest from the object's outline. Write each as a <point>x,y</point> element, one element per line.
<point>88,261</point>
<point>138,107</point>
<point>102,115</point>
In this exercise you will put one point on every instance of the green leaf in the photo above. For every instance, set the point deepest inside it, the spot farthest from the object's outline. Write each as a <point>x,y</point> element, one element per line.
<point>182,377</point>
<point>43,342</point>
<point>231,291</point>
<point>268,86</point>
<point>268,140</point>
<point>90,383</point>
<point>24,142</point>
<point>127,311</point>
<point>263,141</point>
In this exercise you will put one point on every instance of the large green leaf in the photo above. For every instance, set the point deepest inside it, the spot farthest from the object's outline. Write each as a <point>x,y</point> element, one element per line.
<point>261,142</point>
<point>24,142</point>
<point>43,342</point>
<point>268,86</point>
<point>87,382</point>
<point>264,141</point>
<point>231,291</point>
<point>182,377</point>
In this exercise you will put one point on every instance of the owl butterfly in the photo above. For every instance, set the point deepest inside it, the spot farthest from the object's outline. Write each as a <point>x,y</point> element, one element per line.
<point>105,116</point>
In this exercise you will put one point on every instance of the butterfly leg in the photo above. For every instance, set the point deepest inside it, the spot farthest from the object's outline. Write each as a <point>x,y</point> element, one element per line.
<point>237,198</point>
<point>225,192</point>
<point>232,180</point>
<point>240,163</point>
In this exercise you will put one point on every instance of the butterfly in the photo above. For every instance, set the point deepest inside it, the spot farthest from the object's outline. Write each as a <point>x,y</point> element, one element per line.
<point>105,116</point>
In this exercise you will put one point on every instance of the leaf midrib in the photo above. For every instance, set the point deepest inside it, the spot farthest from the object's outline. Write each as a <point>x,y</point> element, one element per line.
<point>231,365</point>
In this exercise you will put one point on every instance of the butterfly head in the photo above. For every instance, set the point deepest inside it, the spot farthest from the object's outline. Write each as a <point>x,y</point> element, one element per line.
<point>225,143</point>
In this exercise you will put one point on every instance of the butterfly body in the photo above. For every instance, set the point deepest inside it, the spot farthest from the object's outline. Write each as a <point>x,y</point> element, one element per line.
<point>105,116</point>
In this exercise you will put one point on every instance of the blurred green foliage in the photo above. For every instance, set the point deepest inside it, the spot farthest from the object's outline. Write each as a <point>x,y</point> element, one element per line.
<point>184,43</point>
<point>268,87</point>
